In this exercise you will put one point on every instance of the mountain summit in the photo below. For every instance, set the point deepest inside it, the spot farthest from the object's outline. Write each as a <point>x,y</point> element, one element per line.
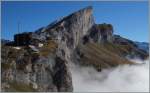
<point>39,61</point>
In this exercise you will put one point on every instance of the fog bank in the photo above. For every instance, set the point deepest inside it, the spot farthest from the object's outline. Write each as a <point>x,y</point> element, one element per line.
<point>122,78</point>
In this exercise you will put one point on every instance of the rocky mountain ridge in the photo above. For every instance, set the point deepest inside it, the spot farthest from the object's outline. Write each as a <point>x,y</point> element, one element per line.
<point>40,60</point>
<point>143,46</point>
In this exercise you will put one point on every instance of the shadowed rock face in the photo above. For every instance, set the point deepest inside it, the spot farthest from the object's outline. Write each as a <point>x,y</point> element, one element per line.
<point>101,33</point>
<point>62,77</point>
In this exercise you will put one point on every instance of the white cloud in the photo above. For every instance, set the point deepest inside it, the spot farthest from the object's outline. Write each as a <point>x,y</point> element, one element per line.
<point>120,79</point>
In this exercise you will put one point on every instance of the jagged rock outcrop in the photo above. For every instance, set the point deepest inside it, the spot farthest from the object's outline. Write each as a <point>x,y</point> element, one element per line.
<point>102,33</point>
<point>69,31</point>
<point>39,73</point>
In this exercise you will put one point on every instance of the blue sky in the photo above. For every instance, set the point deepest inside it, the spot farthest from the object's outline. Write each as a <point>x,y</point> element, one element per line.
<point>129,19</point>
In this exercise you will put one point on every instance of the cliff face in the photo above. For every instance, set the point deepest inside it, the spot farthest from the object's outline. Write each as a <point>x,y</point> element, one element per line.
<point>34,70</point>
<point>45,68</point>
<point>69,31</point>
<point>102,33</point>
<point>38,61</point>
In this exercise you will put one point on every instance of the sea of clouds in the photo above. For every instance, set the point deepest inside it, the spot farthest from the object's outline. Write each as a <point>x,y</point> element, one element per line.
<point>125,78</point>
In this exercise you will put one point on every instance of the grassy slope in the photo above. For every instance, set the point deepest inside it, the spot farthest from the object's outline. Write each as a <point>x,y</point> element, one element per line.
<point>20,87</point>
<point>103,56</point>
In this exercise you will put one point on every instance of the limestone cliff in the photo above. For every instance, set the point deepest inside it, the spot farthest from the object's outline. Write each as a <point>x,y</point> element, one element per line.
<point>45,67</point>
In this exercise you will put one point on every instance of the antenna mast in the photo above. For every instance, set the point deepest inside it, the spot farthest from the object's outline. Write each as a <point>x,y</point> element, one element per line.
<point>18,32</point>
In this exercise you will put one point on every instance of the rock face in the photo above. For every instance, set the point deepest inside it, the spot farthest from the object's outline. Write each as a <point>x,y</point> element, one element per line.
<point>47,73</point>
<point>32,69</point>
<point>38,61</point>
<point>62,77</point>
<point>102,33</point>
<point>69,31</point>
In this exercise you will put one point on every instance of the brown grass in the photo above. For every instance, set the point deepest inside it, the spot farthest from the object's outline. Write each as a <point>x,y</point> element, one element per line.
<point>20,87</point>
<point>103,56</point>
<point>6,66</point>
